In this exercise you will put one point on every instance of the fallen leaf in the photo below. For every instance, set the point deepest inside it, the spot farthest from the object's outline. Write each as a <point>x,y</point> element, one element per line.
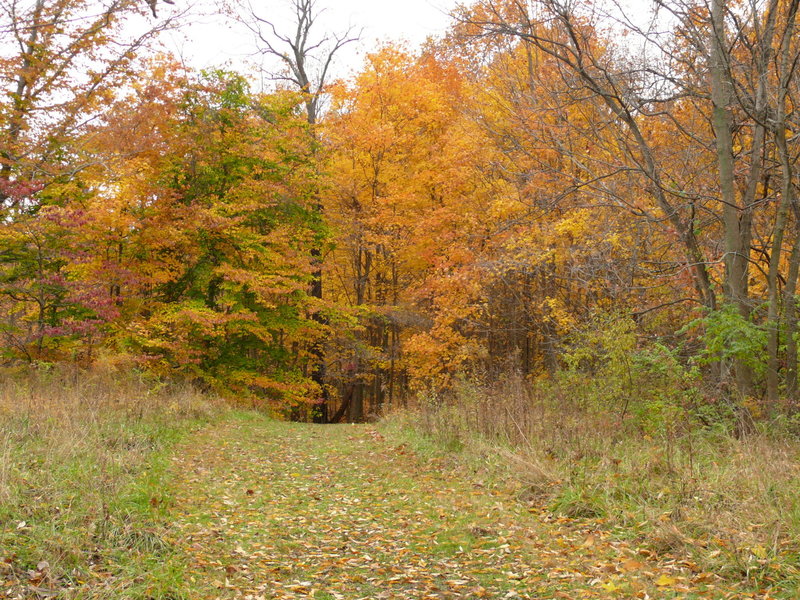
<point>666,581</point>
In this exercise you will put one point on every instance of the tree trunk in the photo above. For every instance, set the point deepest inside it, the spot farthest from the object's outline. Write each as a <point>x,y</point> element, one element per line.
<point>736,258</point>
<point>790,316</point>
<point>788,200</point>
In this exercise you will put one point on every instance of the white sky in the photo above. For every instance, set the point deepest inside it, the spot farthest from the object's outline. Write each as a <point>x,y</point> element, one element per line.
<point>211,40</point>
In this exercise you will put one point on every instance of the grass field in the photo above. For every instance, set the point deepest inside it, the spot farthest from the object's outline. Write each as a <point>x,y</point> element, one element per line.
<point>116,488</point>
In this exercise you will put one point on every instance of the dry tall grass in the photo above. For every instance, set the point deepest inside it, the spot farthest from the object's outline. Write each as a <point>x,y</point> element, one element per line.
<point>80,477</point>
<point>732,505</point>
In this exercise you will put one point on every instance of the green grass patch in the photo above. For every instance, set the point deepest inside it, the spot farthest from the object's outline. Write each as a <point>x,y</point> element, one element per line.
<point>84,485</point>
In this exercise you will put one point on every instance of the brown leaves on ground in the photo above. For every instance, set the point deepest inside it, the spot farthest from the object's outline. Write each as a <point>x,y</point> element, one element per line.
<point>281,511</point>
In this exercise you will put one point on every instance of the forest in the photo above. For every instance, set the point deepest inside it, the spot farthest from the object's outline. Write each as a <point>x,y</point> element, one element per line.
<point>561,238</point>
<point>542,191</point>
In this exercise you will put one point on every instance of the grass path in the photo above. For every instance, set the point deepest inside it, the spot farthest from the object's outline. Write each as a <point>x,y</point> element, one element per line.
<point>273,510</point>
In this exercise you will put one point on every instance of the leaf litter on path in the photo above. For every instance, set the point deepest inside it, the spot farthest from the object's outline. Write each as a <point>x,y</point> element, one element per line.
<point>271,510</point>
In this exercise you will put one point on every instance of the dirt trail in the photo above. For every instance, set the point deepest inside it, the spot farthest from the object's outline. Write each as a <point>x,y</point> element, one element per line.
<point>273,510</point>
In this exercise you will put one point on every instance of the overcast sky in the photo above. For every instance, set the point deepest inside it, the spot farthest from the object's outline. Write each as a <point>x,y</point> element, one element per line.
<point>212,41</point>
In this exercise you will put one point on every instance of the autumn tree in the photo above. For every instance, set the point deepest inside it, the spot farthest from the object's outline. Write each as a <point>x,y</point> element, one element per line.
<point>305,56</point>
<point>219,222</point>
<point>399,169</point>
<point>60,67</point>
<point>65,60</point>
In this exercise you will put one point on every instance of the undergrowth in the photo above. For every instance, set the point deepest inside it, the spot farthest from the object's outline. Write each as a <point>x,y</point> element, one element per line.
<point>84,485</point>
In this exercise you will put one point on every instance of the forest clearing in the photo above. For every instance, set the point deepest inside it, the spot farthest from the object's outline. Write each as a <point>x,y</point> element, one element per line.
<point>505,310</point>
